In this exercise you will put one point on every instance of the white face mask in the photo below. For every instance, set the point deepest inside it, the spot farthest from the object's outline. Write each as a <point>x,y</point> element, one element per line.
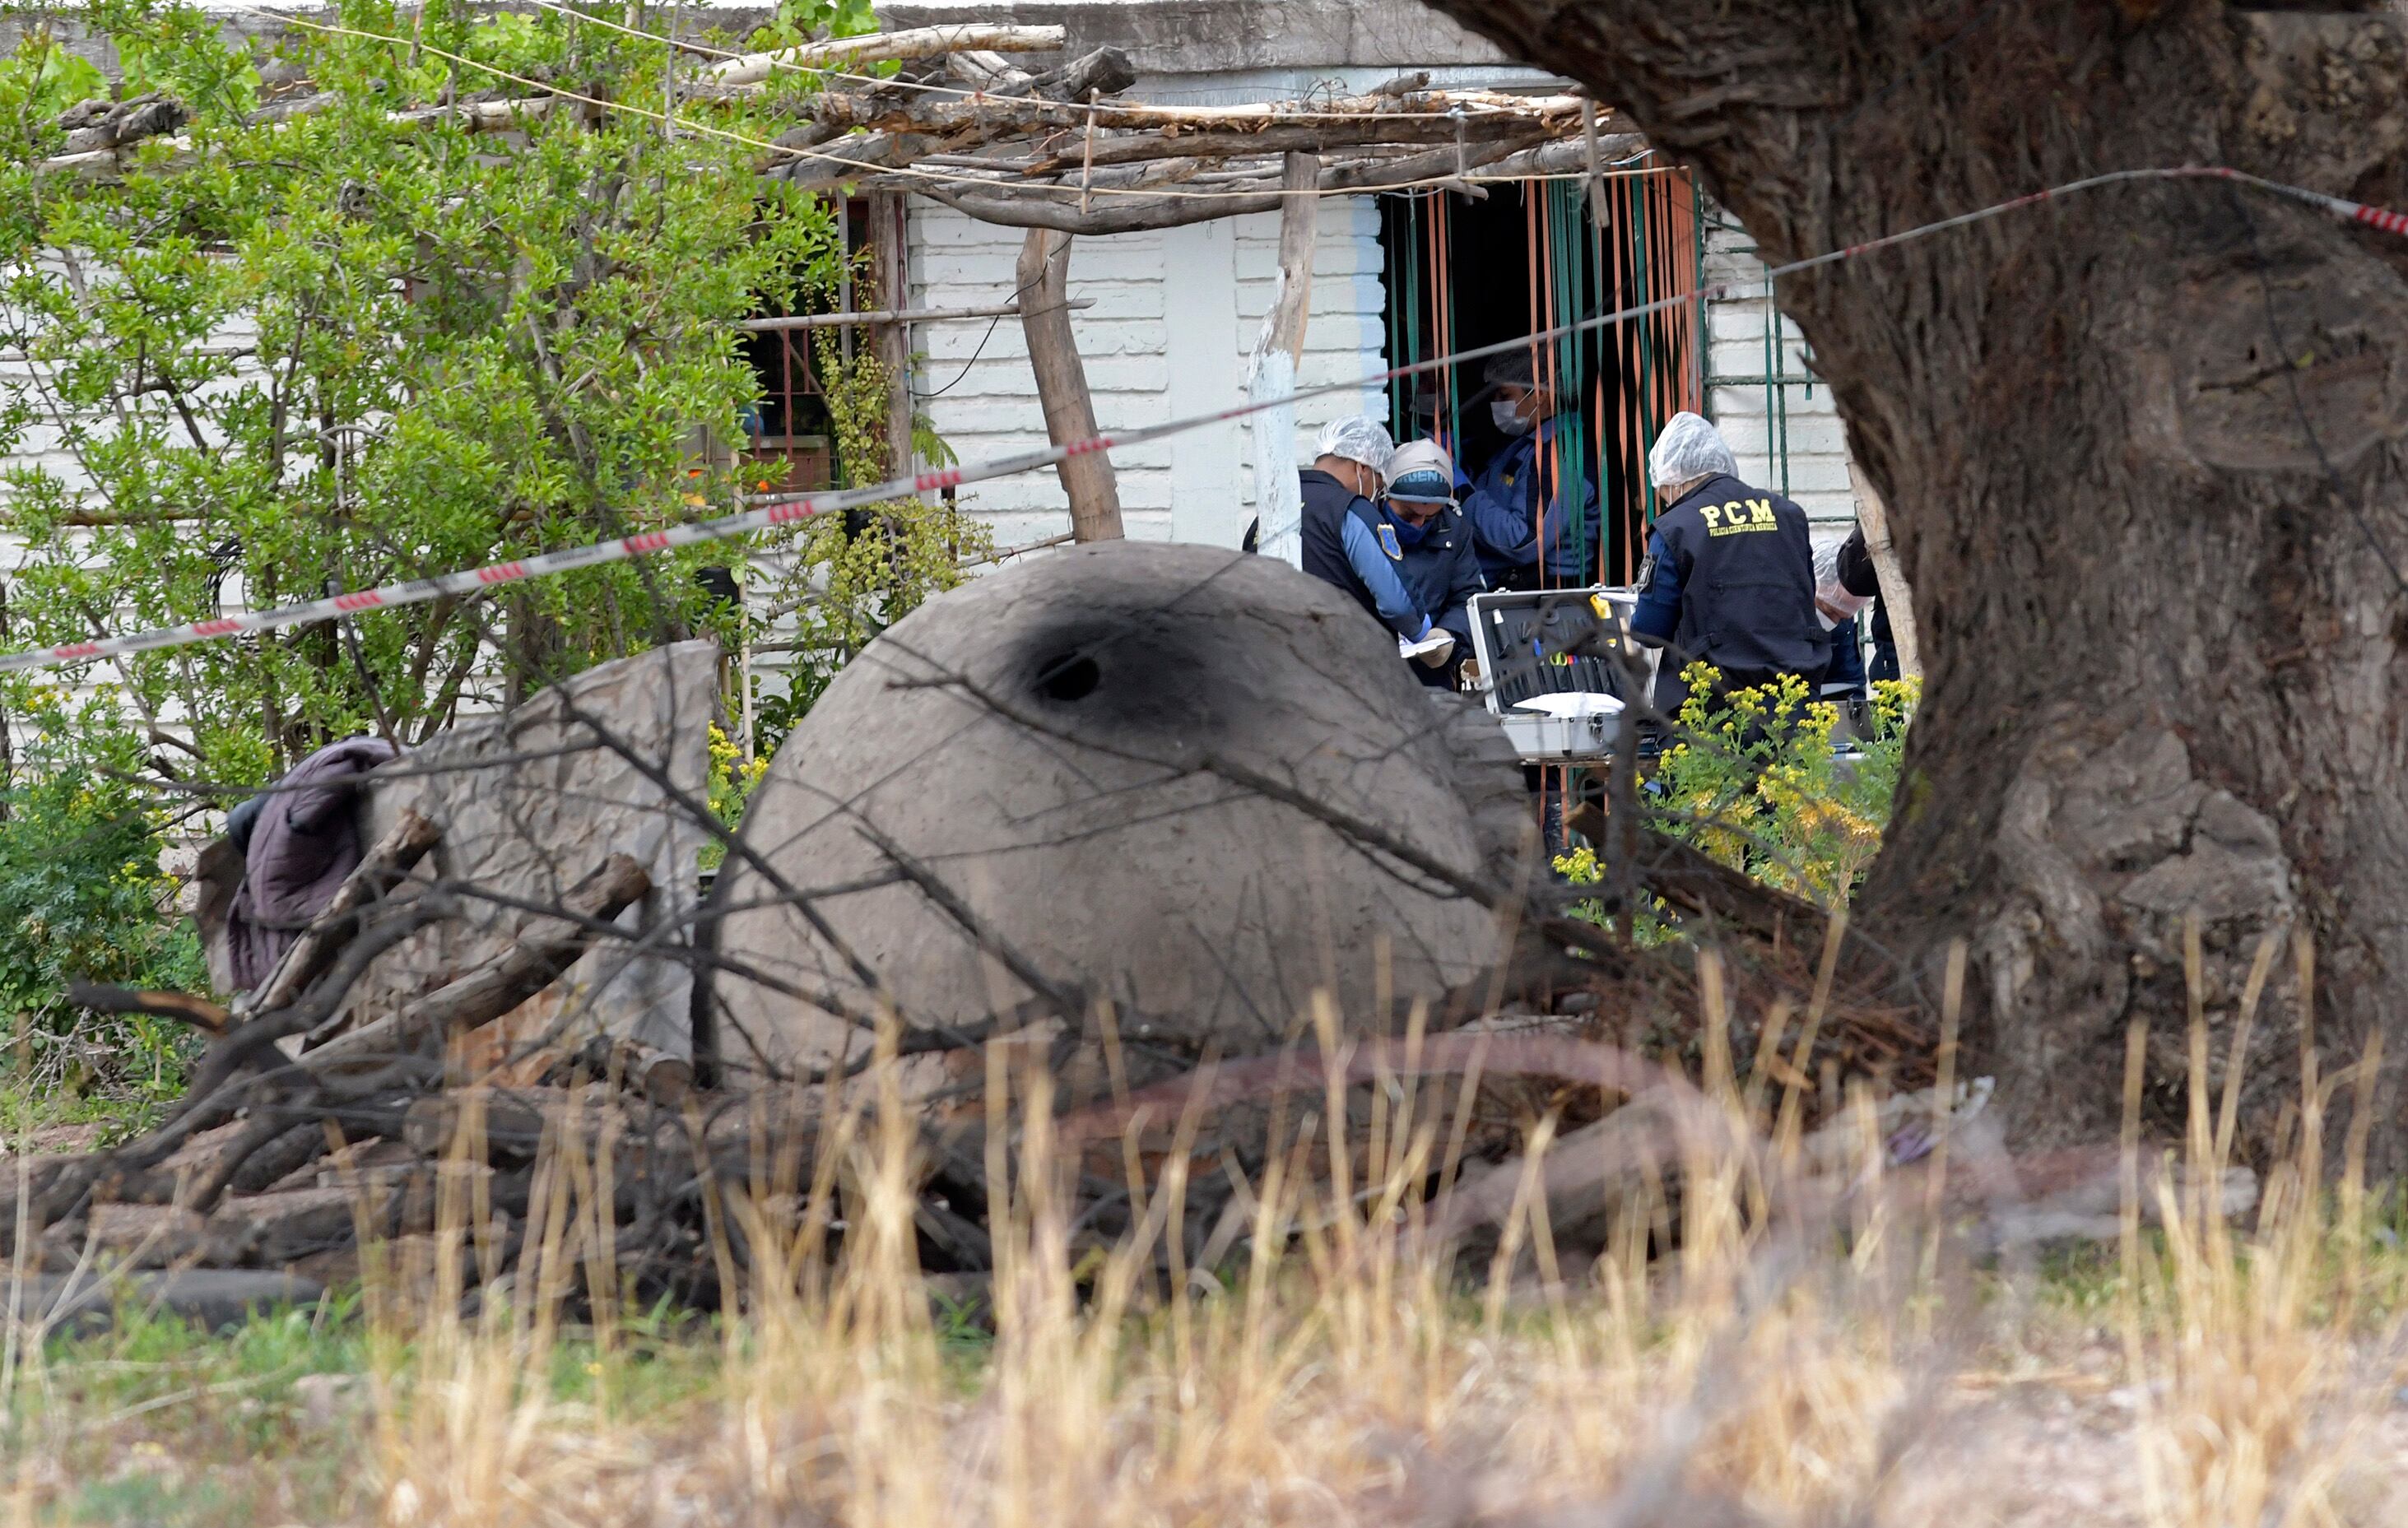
<point>1509,418</point>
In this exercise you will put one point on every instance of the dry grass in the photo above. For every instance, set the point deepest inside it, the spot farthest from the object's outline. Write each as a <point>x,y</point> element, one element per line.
<point>1815,1349</point>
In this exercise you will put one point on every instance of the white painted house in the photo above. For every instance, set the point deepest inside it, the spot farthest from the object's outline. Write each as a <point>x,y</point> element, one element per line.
<point>1177,312</point>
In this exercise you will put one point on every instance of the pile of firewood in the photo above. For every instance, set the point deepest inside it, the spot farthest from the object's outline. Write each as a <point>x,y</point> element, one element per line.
<point>312,1128</point>
<point>306,1126</point>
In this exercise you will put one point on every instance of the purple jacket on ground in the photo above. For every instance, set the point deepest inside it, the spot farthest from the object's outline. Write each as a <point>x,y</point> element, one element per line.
<point>306,841</point>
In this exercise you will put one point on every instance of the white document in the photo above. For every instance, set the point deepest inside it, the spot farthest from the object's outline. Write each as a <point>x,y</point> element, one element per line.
<point>1572,705</point>
<point>1435,640</point>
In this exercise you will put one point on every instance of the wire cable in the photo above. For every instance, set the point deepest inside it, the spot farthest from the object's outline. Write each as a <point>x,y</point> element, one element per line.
<point>862,171</point>
<point>781,509</point>
<point>2300,404</point>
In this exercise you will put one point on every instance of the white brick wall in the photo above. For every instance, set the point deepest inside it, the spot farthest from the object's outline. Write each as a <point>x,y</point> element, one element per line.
<point>1742,345</point>
<point>1175,317</point>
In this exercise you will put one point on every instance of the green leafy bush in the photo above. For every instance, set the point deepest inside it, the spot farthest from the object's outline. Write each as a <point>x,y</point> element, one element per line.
<point>348,347</point>
<point>733,778</point>
<point>82,895</point>
<point>1754,783</point>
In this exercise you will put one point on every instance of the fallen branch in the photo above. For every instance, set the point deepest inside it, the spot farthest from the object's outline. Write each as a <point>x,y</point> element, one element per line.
<point>486,994</point>
<point>378,871</point>
<point>199,1013</point>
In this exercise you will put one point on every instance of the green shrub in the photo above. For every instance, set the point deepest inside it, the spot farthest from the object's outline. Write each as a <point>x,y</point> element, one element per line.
<point>1754,784</point>
<point>82,896</point>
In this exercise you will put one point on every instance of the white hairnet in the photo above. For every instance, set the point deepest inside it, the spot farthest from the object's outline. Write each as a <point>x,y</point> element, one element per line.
<point>1830,595</point>
<point>1689,448</point>
<point>1356,438</point>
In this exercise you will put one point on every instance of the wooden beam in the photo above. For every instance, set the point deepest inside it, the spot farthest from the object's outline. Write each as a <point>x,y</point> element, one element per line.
<point>1045,282</point>
<point>891,138</point>
<point>1119,215</point>
<point>882,315</point>
<point>887,47</point>
<point>1299,223</point>
<point>889,234</point>
<point>1897,595</point>
<point>1279,349</point>
<point>1431,115</point>
<point>1033,206</point>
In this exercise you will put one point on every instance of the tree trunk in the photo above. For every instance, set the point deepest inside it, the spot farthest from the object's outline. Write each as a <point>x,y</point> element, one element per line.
<point>1045,282</point>
<point>1270,373</point>
<point>2141,449</point>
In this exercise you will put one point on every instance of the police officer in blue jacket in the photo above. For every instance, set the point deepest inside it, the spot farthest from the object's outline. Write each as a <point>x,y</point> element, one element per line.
<point>1502,503</point>
<point>1729,575</point>
<point>1441,565</point>
<point>1346,542</point>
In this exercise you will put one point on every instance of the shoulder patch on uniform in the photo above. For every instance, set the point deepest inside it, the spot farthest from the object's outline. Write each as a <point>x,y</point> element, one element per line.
<point>1647,573</point>
<point>1388,544</point>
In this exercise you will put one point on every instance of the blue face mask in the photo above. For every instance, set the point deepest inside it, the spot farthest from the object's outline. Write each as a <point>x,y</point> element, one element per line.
<point>1407,534</point>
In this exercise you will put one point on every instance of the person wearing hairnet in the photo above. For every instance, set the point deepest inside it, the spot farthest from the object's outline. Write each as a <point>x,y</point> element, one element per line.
<point>1836,610</point>
<point>1502,504</point>
<point>1857,576</point>
<point>1346,543</point>
<point>1729,575</point>
<point>1441,566</point>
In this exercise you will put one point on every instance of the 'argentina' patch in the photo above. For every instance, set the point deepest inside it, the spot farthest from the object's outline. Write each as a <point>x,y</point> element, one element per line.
<point>1388,544</point>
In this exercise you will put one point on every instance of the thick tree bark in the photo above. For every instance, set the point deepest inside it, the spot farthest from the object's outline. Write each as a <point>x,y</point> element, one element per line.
<point>1044,273</point>
<point>2140,448</point>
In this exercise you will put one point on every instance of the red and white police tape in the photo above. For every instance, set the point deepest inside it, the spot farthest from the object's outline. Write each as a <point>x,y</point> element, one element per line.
<point>803,506</point>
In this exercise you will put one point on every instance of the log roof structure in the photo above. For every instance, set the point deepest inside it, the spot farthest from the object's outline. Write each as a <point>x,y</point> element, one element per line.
<point>1062,148</point>
<point>948,112</point>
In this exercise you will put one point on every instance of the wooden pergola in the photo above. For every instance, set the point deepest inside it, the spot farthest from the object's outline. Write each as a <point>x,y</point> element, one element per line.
<point>1060,151</point>
<point>1067,153</point>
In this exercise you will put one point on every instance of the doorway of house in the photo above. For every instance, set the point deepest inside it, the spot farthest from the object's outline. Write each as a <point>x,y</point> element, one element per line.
<point>1531,256</point>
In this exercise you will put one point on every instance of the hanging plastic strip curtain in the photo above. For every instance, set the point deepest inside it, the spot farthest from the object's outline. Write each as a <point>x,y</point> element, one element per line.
<point>1616,386</point>
<point>1651,245</point>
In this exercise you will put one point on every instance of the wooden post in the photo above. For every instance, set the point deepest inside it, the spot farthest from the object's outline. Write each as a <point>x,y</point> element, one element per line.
<point>1299,221</point>
<point>1896,597</point>
<point>886,215</point>
<point>1045,283</point>
<point>1279,497</point>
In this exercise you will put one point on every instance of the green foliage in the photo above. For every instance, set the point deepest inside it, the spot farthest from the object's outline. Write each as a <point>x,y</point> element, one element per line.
<point>848,579</point>
<point>40,80</point>
<point>733,778</point>
<point>178,52</point>
<point>1754,784</point>
<point>343,349</point>
<point>81,895</point>
<point>797,21</point>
